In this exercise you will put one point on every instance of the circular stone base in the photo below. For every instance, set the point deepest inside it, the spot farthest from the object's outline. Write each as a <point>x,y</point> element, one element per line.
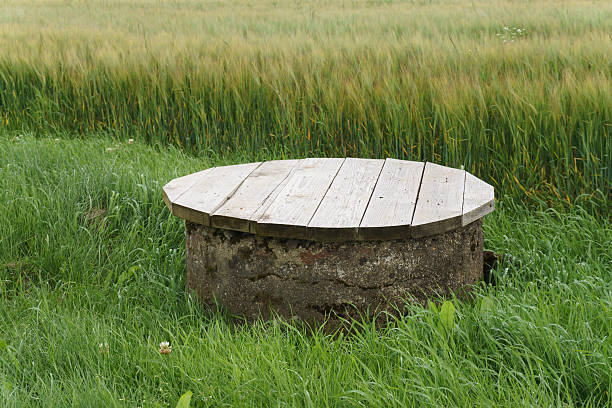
<point>252,275</point>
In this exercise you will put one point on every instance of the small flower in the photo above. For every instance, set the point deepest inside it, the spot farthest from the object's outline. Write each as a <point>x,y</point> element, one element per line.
<point>103,347</point>
<point>510,34</point>
<point>165,347</point>
<point>57,139</point>
<point>130,141</point>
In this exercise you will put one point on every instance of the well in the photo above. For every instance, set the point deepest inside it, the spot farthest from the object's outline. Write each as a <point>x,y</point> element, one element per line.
<point>255,276</point>
<point>326,238</point>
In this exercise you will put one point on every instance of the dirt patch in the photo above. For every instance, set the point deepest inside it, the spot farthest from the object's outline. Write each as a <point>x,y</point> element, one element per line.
<point>95,215</point>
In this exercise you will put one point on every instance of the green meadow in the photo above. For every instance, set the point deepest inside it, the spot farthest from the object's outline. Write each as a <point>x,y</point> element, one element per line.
<point>72,280</point>
<point>92,272</point>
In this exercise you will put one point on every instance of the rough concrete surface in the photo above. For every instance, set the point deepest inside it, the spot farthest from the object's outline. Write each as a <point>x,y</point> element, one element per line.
<point>252,275</point>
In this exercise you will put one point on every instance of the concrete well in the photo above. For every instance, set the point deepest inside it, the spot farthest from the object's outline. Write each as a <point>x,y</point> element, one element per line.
<point>253,276</point>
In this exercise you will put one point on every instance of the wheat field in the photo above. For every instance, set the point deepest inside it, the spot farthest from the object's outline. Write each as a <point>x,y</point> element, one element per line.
<point>518,92</point>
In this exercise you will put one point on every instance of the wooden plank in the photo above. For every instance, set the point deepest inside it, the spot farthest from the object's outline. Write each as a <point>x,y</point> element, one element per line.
<point>478,199</point>
<point>288,215</point>
<point>270,199</point>
<point>210,192</point>
<point>238,212</point>
<point>440,201</point>
<point>332,199</point>
<point>342,207</point>
<point>391,208</point>
<point>173,189</point>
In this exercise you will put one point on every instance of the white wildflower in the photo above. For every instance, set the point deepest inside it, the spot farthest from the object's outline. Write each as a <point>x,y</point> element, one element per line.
<point>165,347</point>
<point>511,34</point>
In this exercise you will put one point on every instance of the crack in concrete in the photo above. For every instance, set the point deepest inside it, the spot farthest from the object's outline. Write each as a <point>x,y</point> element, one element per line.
<point>263,276</point>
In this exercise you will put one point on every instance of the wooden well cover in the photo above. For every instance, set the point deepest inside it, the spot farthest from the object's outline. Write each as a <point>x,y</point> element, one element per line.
<point>332,199</point>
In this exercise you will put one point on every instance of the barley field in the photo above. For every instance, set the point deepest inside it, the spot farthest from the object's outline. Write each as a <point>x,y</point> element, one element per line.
<point>518,92</point>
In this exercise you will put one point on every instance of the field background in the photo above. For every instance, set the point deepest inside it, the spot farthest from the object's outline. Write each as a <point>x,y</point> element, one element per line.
<point>422,80</point>
<point>90,256</point>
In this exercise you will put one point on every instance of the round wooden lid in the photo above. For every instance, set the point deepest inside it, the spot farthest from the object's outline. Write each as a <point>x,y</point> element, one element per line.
<point>332,199</point>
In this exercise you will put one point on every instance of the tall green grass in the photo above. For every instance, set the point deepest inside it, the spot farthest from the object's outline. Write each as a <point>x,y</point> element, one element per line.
<point>420,80</point>
<point>72,279</point>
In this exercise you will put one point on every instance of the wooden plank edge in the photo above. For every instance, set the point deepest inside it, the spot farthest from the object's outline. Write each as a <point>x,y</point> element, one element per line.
<point>418,195</point>
<point>230,223</point>
<point>478,213</point>
<point>331,234</point>
<point>435,228</point>
<point>384,233</point>
<point>190,214</point>
<point>282,231</point>
<point>166,199</point>
<point>365,210</point>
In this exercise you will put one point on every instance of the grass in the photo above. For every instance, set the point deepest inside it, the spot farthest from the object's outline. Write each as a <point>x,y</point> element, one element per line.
<point>90,255</point>
<point>92,263</point>
<point>422,80</point>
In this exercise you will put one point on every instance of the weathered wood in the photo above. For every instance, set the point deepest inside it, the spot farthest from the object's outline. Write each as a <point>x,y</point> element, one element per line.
<point>344,204</point>
<point>440,201</point>
<point>270,199</point>
<point>210,191</point>
<point>238,212</point>
<point>391,208</point>
<point>478,199</point>
<point>289,214</point>
<point>174,188</point>
<point>332,199</point>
